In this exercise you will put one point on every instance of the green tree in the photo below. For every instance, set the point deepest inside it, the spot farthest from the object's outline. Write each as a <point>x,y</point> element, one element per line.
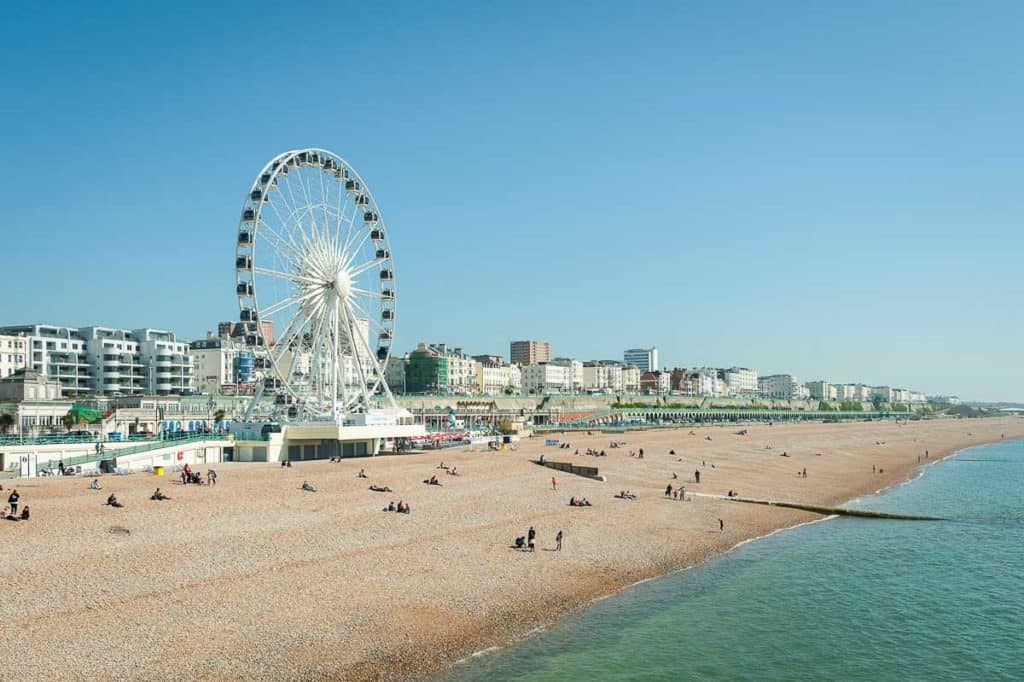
<point>824,406</point>
<point>505,427</point>
<point>68,420</point>
<point>219,416</point>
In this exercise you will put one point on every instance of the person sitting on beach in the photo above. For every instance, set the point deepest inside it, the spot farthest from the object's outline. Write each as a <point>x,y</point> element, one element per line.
<point>288,463</point>
<point>572,502</point>
<point>674,475</point>
<point>112,501</point>
<point>671,452</point>
<point>308,487</point>
<point>585,503</point>
<point>158,495</point>
<point>441,466</point>
<point>6,512</point>
<point>361,474</point>
<point>520,542</point>
<point>407,509</point>
<point>24,514</point>
<point>95,484</point>
<point>284,463</point>
<point>391,506</point>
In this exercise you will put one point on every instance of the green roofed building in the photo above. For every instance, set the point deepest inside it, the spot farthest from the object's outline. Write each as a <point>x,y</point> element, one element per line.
<point>426,371</point>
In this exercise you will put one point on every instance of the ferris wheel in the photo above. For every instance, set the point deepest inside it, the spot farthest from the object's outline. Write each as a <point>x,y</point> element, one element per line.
<point>315,282</point>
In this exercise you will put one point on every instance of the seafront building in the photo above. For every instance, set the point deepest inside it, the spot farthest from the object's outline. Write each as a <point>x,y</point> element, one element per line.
<point>105,360</point>
<point>741,381</point>
<point>524,353</point>
<point>781,387</point>
<point>222,365</point>
<point>546,377</point>
<point>575,369</point>
<point>644,359</point>
<point>13,354</point>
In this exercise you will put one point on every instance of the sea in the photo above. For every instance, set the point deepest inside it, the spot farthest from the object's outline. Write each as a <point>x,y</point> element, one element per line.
<point>838,599</point>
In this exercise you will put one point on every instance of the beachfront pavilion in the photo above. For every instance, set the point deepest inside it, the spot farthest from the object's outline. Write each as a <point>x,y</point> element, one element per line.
<point>363,435</point>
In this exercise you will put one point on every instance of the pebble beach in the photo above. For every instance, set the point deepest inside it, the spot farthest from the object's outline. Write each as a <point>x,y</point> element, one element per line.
<point>255,578</point>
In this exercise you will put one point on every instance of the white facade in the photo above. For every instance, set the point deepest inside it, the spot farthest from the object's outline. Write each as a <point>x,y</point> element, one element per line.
<point>547,378</point>
<point>782,387</point>
<point>819,390</point>
<point>105,360</point>
<point>13,354</point>
<point>644,359</point>
<point>630,377</point>
<point>595,377</point>
<point>706,382</point>
<point>741,380</point>
<point>575,368</point>
<point>499,379</point>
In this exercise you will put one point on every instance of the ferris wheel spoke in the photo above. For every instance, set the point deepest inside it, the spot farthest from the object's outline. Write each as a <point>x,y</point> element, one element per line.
<point>370,294</point>
<point>355,249</point>
<point>365,266</point>
<point>287,276</point>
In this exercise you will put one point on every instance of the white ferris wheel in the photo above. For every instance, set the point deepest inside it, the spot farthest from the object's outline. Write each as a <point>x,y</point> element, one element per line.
<point>316,283</point>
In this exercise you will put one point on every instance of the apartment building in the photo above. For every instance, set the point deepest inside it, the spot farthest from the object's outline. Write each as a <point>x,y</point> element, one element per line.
<point>106,360</point>
<point>13,354</point>
<point>546,377</point>
<point>529,352</point>
<point>644,359</point>
<point>575,368</point>
<point>494,378</point>
<point>782,387</point>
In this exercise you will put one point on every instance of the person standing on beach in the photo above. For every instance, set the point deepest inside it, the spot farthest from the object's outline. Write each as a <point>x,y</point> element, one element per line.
<point>554,483</point>
<point>13,501</point>
<point>721,526</point>
<point>558,541</point>
<point>531,536</point>
<point>696,475</point>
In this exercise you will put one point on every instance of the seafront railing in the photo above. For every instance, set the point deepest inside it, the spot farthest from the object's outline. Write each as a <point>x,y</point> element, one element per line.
<point>53,462</point>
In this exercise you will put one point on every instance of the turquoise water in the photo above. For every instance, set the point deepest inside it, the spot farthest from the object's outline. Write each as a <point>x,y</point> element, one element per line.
<point>841,599</point>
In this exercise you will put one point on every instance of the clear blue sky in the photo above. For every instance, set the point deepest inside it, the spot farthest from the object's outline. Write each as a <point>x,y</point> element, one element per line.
<point>828,189</point>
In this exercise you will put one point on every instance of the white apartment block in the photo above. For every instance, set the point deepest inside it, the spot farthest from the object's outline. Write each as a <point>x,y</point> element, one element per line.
<point>883,393</point>
<point>741,380</point>
<point>219,362</point>
<point>781,387</point>
<point>705,382</point>
<point>547,377</point>
<point>106,360</point>
<point>13,354</point>
<point>575,368</point>
<point>497,379</point>
<point>595,377</point>
<point>394,373</point>
<point>644,359</point>
<point>819,390</point>
<point>917,397</point>
<point>630,377</point>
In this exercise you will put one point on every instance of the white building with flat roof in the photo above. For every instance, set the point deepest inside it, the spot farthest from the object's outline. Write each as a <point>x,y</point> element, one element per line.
<point>575,368</point>
<point>741,380</point>
<point>630,377</point>
<point>106,360</point>
<point>13,354</point>
<point>546,377</point>
<point>782,387</point>
<point>499,378</point>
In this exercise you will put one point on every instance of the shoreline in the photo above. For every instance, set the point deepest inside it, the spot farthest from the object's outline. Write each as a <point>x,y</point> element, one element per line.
<point>915,474</point>
<point>259,580</point>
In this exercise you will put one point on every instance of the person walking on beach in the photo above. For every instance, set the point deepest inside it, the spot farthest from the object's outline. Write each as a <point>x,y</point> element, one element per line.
<point>531,536</point>
<point>558,541</point>
<point>721,526</point>
<point>554,483</point>
<point>696,475</point>
<point>805,472</point>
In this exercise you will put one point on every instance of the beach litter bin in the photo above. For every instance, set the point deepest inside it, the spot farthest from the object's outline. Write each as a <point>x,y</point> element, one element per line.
<point>158,471</point>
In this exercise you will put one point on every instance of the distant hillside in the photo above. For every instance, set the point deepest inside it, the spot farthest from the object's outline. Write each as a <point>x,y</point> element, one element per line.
<point>972,412</point>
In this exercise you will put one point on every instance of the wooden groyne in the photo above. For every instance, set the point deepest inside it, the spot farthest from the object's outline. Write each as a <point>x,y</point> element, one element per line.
<point>587,472</point>
<point>837,511</point>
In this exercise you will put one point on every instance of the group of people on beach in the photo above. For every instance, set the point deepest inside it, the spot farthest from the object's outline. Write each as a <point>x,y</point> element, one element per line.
<point>189,477</point>
<point>10,512</point>
<point>579,502</point>
<point>401,508</point>
<point>529,543</point>
<point>675,494</point>
<point>625,495</point>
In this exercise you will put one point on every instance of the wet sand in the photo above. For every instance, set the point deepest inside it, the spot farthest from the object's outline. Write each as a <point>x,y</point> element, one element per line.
<point>257,579</point>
